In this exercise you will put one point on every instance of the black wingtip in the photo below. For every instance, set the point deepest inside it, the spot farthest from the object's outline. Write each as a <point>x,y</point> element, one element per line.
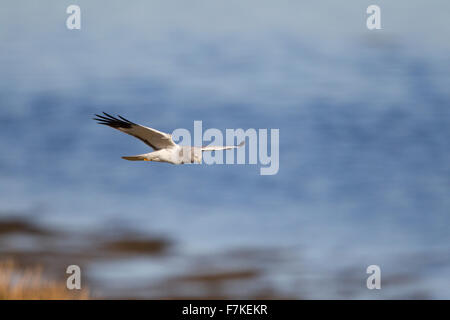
<point>113,122</point>
<point>108,115</point>
<point>126,120</point>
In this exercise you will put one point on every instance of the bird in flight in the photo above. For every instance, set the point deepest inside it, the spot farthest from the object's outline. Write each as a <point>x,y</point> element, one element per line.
<point>165,149</point>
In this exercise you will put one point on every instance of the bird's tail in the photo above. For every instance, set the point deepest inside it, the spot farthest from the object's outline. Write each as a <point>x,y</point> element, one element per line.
<point>139,157</point>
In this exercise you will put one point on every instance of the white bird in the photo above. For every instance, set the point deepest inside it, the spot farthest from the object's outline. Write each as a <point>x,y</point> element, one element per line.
<point>166,150</point>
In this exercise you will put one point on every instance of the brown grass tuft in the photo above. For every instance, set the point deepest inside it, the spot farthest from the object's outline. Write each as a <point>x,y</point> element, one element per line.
<point>29,284</point>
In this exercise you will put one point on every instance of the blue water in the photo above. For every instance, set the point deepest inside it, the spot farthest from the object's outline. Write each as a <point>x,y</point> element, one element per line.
<point>364,125</point>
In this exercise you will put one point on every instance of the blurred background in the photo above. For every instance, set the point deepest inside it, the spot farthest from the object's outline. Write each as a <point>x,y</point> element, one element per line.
<point>364,147</point>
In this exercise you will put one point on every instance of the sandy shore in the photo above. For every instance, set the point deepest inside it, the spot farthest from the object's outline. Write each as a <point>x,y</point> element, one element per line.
<point>43,254</point>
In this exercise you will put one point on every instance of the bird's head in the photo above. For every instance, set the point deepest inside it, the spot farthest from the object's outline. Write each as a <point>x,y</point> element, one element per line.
<point>197,157</point>
<point>190,154</point>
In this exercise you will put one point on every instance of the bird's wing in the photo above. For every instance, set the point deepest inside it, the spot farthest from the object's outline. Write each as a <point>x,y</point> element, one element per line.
<point>215,148</point>
<point>151,137</point>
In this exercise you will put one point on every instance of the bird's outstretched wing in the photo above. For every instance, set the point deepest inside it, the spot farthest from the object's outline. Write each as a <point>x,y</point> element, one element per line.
<point>151,137</point>
<point>215,148</point>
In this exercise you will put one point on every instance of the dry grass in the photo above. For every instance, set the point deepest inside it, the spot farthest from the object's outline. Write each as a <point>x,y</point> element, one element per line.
<point>29,284</point>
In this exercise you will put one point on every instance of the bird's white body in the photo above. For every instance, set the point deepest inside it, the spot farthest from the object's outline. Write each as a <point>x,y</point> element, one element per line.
<point>166,150</point>
<point>175,155</point>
